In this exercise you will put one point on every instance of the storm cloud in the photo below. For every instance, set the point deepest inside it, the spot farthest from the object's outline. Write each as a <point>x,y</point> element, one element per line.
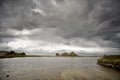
<point>50,26</point>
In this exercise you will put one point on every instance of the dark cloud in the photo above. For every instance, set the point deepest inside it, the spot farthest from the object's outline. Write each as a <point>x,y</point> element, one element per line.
<point>76,23</point>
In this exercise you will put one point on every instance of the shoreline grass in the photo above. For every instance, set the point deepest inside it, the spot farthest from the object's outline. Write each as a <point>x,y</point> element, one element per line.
<point>111,61</point>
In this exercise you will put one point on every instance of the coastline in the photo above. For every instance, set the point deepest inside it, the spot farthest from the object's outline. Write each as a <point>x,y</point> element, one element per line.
<point>44,56</point>
<point>111,61</point>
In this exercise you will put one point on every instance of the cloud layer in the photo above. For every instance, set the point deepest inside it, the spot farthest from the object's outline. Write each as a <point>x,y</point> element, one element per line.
<point>49,26</point>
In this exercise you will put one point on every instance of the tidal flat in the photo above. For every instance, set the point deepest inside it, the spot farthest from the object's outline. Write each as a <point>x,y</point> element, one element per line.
<point>55,68</point>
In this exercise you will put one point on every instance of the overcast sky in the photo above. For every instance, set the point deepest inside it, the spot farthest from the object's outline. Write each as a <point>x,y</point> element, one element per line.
<point>50,26</point>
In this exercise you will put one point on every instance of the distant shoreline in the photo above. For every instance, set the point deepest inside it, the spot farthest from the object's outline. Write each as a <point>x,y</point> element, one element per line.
<point>11,54</point>
<point>46,56</point>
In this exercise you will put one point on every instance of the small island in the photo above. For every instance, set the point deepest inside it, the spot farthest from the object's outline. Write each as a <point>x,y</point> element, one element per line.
<point>11,54</point>
<point>66,54</point>
<point>112,61</point>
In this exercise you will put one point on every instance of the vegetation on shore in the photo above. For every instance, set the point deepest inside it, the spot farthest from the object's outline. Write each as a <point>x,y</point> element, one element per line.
<point>112,61</point>
<point>71,54</point>
<point>11,54</point>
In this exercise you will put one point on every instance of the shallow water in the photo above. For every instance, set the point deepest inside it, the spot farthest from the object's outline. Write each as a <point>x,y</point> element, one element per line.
<point>55,68</point>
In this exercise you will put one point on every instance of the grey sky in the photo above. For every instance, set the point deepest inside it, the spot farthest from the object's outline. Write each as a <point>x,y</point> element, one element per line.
<point>49,26</point>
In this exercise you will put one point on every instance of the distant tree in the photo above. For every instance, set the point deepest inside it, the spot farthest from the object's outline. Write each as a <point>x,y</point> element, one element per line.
<point>73,54</point>
<point>23,53</point>
<point>12,52</point>
<point>57,54</point>
<point>66,54</point>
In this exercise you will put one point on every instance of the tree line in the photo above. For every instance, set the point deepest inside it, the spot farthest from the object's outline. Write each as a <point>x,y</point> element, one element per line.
<point>66,54</point>
<point>9,54</point>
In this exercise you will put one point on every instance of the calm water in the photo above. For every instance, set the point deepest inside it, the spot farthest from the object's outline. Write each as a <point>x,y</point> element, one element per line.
<point>55,68</point>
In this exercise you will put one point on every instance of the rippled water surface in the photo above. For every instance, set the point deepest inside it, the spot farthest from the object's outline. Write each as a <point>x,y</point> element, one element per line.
<point>55,68</point>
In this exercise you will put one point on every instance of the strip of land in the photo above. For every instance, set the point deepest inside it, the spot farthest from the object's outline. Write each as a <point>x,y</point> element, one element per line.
<point>112,61</point>
<point>11,54</point>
